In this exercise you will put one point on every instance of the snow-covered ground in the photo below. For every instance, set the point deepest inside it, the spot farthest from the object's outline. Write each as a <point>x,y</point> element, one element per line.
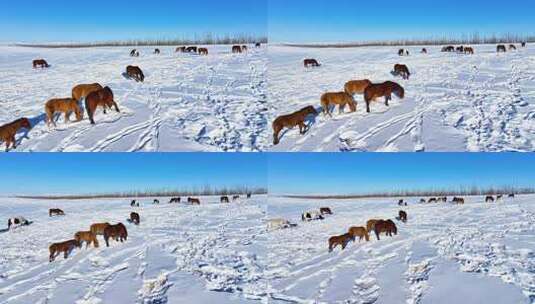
<point>472,253</point>
<point>453,102</point>
<point>213,253</point>
<point>187,102</point>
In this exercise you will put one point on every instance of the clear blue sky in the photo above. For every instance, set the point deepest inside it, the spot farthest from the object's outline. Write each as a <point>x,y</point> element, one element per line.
<point>350,20</point>
<point>65,173</point>
<point>97,20</point>
<point>317,173</point>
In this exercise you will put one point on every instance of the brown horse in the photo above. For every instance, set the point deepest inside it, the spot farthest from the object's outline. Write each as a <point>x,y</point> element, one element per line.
<point>98,229</point>
<point>8,131</point>
<point>469,50</point>
<point>458,200</point>
<point>403,70</point>
<point>339,98</point>
<point>81,91</point>
<point>361,232</point>
<point>370,224</point>
<point>181,49</point>
<point>157,51</point>
<point>403,216</point>
<point>40,63</point>
<point>292,120</point>
<point>117,232</point>
<point>65,247</point>
<point>356,86</point>
<point>224,199</point>
<point>191,49</point>
<point>135,72</point>
<point>88,237</point>
<point>235,197</point>
<point>66,106</point>
<point>194,201</point>
<point>523,44</point>
<point>236,49</point>
<point>311,62</point>
<point>244,48</point>
<point>388,227</point>
<point>326,210</point>
<point>512,47</point>
<point>489,199</point>
<point>432,200</point>
<point>339,240</point>
<point>258,44</point>
<point>174,200</point>
<point>203,51</point>
<point>104,98</point>
<point>55,211</point>
<point>501,48</point>
<point>134,218</point>
<point>385,89</point>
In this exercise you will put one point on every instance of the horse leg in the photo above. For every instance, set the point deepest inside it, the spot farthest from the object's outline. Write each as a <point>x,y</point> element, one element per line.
<point>13,142</point>
<point>116,107</point>
<point>377,235</point>
<point>367,106</point>
<point>302,127</point>
<point>387,98</point>
<point>67,116</point>
<point>106,238</point>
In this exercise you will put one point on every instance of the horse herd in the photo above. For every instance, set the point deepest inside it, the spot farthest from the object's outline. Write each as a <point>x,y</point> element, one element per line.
<point>371,91</point>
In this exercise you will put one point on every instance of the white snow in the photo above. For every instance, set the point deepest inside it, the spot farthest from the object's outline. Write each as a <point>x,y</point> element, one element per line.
<point>213,253</point>
<point>453,102</point>
<point>187,102</point>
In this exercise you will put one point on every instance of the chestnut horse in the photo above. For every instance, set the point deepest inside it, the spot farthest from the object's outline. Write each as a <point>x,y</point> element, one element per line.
<point>40,63</point>
<point>194,201</point>
<point>292,120</point>
<point>469,50</point>
<point>236,49</point>
<point>370,224</point>
<point>311,62</point>
<point>8,131</point>
<point>361,232</point>
<point>55,211</point>
<point>339,240</point>
<point>98,229</point>
<point>66,106</point>
<point>81,91</point>
<point>385,89</point>
<point>104,98</point>
<point>403,70</point>
<point>117,232</point>
<point>501,48</point>
<point>88,237</point>
<point>388,227</point>
<point>203,51</point>
<point>65,247</point>
<point>339,98</point>
<point>134,218</point>
<point>356,86</point>
<point>135,72</point>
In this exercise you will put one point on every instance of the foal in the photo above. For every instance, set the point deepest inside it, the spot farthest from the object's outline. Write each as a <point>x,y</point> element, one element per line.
<point>341,99</point>
<point>66,106</point>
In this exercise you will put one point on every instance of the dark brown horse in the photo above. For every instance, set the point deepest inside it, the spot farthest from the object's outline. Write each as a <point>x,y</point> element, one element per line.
<point>489,199</point>
<point>65,247</point>
<point>134,218</point>
<point>402,216</point>
<point>224,199</point>
<point>135,72</point>
<point>469,50</point>
<point>258,44</point>
<point>501,48</point>
<point>181,49</point>
<point>385,89</point>
<point>310,62</point>
<point>134,53</point>
<point>194,201</point>
<point>203,51</point>
<point>103,98</point>
<point>403,70</point>
<point>236,49</point>
<point>423,51</point>
<point>117,232</point>
<point>292,120</point>
<point>512,47</point>
<point>157,51</point>
<point>325,210</point>
<point>458,200</point>
<point>388,227</point>
<point>8,131</point>
<point>40,63</point>
<point>191,49</point>
<point>174,200</point>
<point>55,211</point>
<point>523,44</point>
<point>339,240</point>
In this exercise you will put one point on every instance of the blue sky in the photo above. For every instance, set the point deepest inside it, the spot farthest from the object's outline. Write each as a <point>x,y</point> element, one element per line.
<point>317,173</point>
<point>65,173</point>
<point>98,20</point>
<point>350,20</point>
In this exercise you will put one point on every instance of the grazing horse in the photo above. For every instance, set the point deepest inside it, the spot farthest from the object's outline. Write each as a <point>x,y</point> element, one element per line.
<point>458,200</point>
<point>236,49</point>
<point>278,223</point>
<point>155,201</point>
<point>134,218</point>
<point>311,62</point>
<point>388,227</point>
<point>157,51</point>
<point>339,240</point>
<point>8,131</point>
<point>311,216</point>
<point>104,98</point>
<point>191,49</point>
<point>65,247</point>
<point>444,199</point>
<point>402,216</point>
<point>469,50</point>
<point>370,224</point>
<point>361,232</point>
<point>460,49</point>
<point>489,199</point>
<point>224,199</point>
<point>133,203</point>
<point>249,195</point>
<point>98,228</point>
<point>135,72</point>
<point>174,200</point>
<point>194,201</point>
<point>292,120</point>
<point>17,222</point>
<point>501,48</point>
<point>512,47</point>
<point>499,197</point>
<point>356,86</point>
<point>401,52</point>
<point>134,53</point>
<point>66,106</point>
<point>338,98</point>
<point>424,51</point>
<point>385,89</point>
<point>88,237</point>
<point>203,51</point>
<point>402,203</point>
<point>257,45</point>
<point>403,70</point>
<point>117,232</point>
<point>235,197</point>
<point>81,91</point>
<point>511,195</point>
<point>422,201</point>
<point>523,44</point>
<point>449,48</point>
<point>432,200</point>
<point>55,211</point>
<point>40,63</point>
<point>326,210</point>
<point>181,49</point>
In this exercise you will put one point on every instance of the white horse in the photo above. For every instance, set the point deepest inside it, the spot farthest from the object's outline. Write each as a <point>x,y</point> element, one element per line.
<point>278,223</point>
<point>311,215</point>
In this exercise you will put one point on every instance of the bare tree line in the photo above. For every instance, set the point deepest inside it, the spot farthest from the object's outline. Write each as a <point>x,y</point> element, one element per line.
<point>461,191</point>
<point>206,39</point>
<point>205,190</point>
<point>474,38</point>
